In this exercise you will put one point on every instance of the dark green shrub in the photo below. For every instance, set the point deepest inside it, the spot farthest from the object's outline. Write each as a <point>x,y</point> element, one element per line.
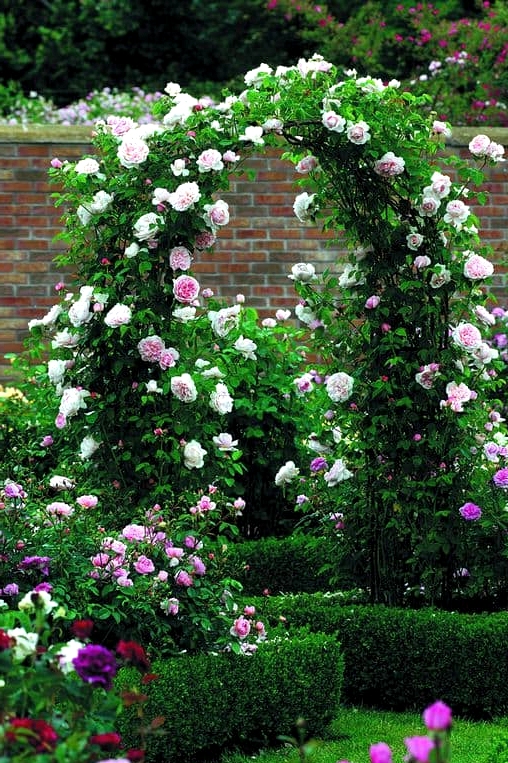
<point>215,701</point>
<point>290,565</point>
<point>402,659</point>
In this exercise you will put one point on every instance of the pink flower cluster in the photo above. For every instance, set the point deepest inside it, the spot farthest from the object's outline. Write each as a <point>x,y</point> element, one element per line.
<point>457,395</point>
<point>153,350</point>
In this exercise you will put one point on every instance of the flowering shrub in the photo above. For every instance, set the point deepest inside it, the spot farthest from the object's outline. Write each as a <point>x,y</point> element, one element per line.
<point>56,693</point>
<point>459,62</point>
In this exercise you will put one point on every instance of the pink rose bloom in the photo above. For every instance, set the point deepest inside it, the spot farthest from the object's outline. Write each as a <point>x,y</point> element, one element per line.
<point>333,121</point>
<point>184,579</point>
<point>422,261</point>
<point>456,213</point>
<point>414,241</point>
<point>495,151</point>
<point>173,552</point>
<point>477,268</point>
<point>132,151</point>
<point>439,187</point>
<point>162,575</point>
<point>438,716</point>
<point>100,560</point>
<point>150,348</point>
<point>230,156</point>
<point>419,748</point>
<point>87,501</point>
<point>183,388</point>
<point>168,358</point>
<point>217,214</point>
<point>120,125</point>
<point>429,206</point>
<point>119,315</point>
<point>458,394</point>
<point>241,627</point>
<point>160,197</point>
<point>59,509</point>
<point>134,532</point>
<point>171,606</point>
<point>125,582</point>
<point>380,753</point>
<point>479,144</point>
<point>471,512</point>
<point>198,564</point>
<point>110,544</point>
<point>484,315</point>
<point>339,387</point>
<point>46,441</point>
<point>372,302</point>
<point>205,240</point>
<point>180,258</point>
<point>249,610</point>
<point>186,289</point>
<point>389,165</point>
<point>144,565</point>
<point>185,196</point>
<point>467,336</point>
<point>56,163</point>
<point>358,133</point>
<point>209,160</point>
<point>307,164</point>
<point>426,375</point>
<point>500,478</point>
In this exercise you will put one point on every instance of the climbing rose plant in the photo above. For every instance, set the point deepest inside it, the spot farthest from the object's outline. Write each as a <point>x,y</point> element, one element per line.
<point>145,367</point>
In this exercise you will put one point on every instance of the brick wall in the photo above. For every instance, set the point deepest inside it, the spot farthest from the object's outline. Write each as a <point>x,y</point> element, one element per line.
<point>253,255</point>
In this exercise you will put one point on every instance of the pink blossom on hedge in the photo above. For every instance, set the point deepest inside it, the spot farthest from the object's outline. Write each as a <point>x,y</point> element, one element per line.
<point>414,240</point>
<point>205,240</point>
<point>150,348</point>
<point>60,509</point>
<point>241,627</point>
<point>372,302</point>
<point>209,160</point>
<point>467,336</point>
<point>429,206</point>
<point>217,214</point>
<point>426,375</point>
<point>185,196</point>
<point>307,164</point>
<point>421,261</point>
<point>119,315</point>
<point>132,151</point>
<point>500,478</point>
<point>185,289</point>
<point>168,358</point>
<point>333,121</point>
<point>144,565</point>
<point>471,512</point>
<point>479,144</point>
<point>437,717</point>
<point>87,166</point>
<point>458,394</point>
<point>183,578</point>
<point>184,388</point>
<point>87,501</point>
<point>339,387</point>
<point>389,165</point>
<point>476,267</point>
<point>134,532</point>
<point>120,125</point>
<point>456,213</point>
<point>180,258</point>
<point>358,132</point>
<point>439,187</point>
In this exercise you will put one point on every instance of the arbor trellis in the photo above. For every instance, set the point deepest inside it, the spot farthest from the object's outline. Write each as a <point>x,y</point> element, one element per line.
<point>409,376</point>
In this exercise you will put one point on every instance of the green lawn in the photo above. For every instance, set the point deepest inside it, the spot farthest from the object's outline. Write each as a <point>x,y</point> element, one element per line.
<point>356,729</point>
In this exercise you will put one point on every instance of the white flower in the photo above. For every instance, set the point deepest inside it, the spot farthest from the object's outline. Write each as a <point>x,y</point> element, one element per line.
<point>333,121</point>
<point>225,320</point>
<point>305,314</point>
<point>184,388</point>
<point>87,167</point>
<point>40,600</point>
<point>224,441</point>
<point>178,168</point>
<point>153,388</point>
<point>253,134</point>
<point>67,653</point>
<point>351,276</point>
<point>88,447</point>
<point>184,314</point>
<point>48,320</point>
<point>147,226</point>
<point>101,201</point>
<point>440,277</point>
<point>337,473</point>
<point>131,250</point>
<point>212,373</point>
<point>72,400</point>
<point>220,399</point>
<point>56,371</point>
<point>255,76</point>
<point>193,455</point>
<point>303,272</point>
<point>304,206</point>
<point>246,347</point>
<point>59,483</point>
<point>119,315</point>
<point>25,643</point>
<point>286,473</point>
<point>339,387</point>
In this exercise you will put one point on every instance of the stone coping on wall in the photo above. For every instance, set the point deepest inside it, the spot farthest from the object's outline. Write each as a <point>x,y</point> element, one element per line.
<point>59,134</point>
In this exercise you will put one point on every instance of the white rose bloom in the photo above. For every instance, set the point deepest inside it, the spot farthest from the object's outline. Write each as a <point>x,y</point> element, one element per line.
<point>84,214</point>
<point>212,373</point>
<point>305,314</point>
<point>37,600</point>
<point>59,482</point>
<point>25,643</point>
<point>225,320</point>
<point>184,314</point>
<point>303,206</point>
<point>73,400</point>
<point>220,399</point>
<point>337,473</point>
<point>255,76</point>
<point>79,312</point>
<point>147,226</point>
<point>64,339</point>
<point>152,387</point>
<point>303,272</point>
<point>253,134</point>
<point>339,387</point>
<point>47,320</point>
<point>131,250</point>
<point>246,347</point>
<point>193,455</point>
<point>351,276</point>
<point>286,473</point>
<point>88,447</point>
<point>67,653</point>
<point>56,371</point>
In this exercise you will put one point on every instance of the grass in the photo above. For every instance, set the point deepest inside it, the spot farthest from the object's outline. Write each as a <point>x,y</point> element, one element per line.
<point>355,729</point>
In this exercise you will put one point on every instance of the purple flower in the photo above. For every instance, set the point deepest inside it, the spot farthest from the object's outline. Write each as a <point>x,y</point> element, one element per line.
<point>318,464</point>
<point>96,665</point>
<point>500,478</point>
<point>46,441</point>
<point>43,587</point>
<point>470,511</point>
<point>11,589</point>
<point>40,563</point>
<point>13,490</point>
<point>301,499</point>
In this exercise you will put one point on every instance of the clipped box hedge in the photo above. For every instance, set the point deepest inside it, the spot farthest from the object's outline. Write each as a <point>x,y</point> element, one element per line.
<point>403,659</point>
<point>212,702</point>
<point>289,565</point>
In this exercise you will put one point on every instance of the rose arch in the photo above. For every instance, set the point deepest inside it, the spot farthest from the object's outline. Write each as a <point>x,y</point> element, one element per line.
<point>146,366</point>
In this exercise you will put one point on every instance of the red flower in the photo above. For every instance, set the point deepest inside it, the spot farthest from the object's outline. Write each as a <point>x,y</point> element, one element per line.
<point>109,741</point>
<point>135,756</point>
<point>82,628</point>
<point>37,733</point>
<point>132,652</point>
<point>5,641</point>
